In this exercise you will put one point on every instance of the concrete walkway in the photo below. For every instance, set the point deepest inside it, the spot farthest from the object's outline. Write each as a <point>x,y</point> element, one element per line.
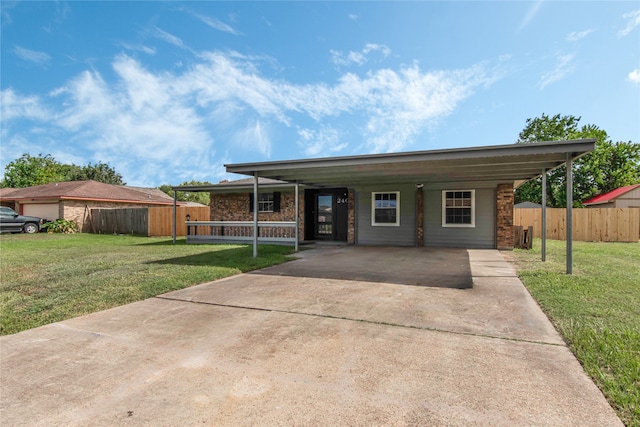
<point>293,345</point>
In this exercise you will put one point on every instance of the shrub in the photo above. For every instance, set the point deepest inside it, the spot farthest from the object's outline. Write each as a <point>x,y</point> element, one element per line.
<point>61,226</point>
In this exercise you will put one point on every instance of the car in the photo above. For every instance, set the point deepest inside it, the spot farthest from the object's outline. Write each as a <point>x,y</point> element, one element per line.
<point>11,222</point>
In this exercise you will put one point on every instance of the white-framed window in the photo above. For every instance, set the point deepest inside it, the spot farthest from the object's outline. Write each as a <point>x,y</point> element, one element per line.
<point>265,202</point>
<point>385,208</point>
<point>459,208</point>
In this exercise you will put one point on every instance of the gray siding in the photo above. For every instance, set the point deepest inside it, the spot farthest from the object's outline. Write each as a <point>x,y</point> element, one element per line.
<point>630,199</point>
<point>403,235</point>
<point>483,235</point>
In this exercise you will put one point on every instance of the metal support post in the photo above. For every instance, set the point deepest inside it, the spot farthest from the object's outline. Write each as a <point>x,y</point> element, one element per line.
<point>569,214</point>
<point>543,232</point>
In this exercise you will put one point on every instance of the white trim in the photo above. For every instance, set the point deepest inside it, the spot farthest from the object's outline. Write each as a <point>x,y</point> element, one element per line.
<point>473,210</point>
<point>373,209</point>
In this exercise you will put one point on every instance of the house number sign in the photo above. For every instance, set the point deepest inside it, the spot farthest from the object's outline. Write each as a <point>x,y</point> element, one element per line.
<point>342,200</point>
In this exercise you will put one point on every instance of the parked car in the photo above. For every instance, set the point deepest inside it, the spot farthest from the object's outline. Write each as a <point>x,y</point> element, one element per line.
<point>11,222</point>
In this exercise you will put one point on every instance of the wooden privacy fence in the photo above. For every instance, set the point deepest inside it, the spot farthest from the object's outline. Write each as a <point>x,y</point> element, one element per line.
<point>161,219</point>
<point>119,221</point>
<point>152,221</point>
<point>589,224</point>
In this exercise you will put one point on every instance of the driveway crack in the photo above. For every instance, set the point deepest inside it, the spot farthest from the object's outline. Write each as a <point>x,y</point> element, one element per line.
<point>373,322</point>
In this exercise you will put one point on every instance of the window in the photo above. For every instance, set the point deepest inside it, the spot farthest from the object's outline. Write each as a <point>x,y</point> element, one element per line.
<point>385,209</point>
<point>458,208</point>
<point>267,202</point>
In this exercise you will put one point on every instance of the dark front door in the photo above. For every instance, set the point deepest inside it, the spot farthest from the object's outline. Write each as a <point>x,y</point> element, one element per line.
<point>324,216</point>
<point>326,213</point>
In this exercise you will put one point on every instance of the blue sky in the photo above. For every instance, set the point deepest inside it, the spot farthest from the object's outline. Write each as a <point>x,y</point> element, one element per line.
<point>168,92</point>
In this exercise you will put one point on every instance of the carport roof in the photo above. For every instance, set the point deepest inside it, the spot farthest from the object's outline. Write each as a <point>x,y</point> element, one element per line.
<point>513,162</point>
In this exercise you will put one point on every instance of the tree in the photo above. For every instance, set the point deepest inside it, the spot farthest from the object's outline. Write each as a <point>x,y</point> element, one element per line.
<point>189,196</point>
<point>28,171</point>
<point>100,172</point>
<point>608,167</point>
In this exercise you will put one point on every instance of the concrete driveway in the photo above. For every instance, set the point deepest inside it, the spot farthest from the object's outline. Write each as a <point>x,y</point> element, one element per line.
<point>329,339</point>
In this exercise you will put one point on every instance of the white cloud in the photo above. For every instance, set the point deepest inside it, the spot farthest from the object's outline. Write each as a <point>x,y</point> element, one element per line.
<point>15,106</point>
<point>562,70</point>
<point>531,14</point>
<point>254,137</point>
<point>575,36</point>
<point>217,24</point>
<point>633,21</point>
<point>169,38</point>
<point>634,76</point>
<point>140,48</point>
<point>359,58</point>
<point>353,16</point>
<point>149,123</point>
<point>324,141</point>
<point>34,56</point>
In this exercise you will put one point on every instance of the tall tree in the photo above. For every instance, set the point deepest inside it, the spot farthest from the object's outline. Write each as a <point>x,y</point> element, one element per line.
<point>608,167</point>
<point>100,172</point>
<point>28,171</point>
<point>189,196</point>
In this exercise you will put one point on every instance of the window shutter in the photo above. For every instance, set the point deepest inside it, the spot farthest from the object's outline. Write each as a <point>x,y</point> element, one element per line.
<point>276,202</point>
<point>250,202</point>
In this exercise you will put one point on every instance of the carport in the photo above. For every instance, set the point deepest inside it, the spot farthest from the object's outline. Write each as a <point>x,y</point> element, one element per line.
<point>511,164</point>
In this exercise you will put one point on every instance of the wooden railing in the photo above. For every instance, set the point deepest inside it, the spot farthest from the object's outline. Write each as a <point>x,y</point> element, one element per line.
<point>275,232</point>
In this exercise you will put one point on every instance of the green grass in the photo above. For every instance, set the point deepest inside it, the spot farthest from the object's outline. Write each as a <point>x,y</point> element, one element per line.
<point>46,278</point>
<point>597,310</point>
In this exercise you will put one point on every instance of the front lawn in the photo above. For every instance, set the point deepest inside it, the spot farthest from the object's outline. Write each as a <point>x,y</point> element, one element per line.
<point>597,310</point>
<point>46,278</point>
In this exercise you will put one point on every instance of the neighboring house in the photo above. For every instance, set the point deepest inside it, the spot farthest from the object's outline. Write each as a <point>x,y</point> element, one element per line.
<point>623,197</point>
<point>74,200</point>
<point>527,205</point>
<point>7,203</point>
<point>440,198</point>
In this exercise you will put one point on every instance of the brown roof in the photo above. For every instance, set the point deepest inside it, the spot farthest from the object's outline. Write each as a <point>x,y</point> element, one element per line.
<point>5,191</point>
<point>88,190</point>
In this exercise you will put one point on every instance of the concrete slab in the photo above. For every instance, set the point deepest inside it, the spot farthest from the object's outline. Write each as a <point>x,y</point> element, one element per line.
<point>441,267</point>
<point>192,358</point>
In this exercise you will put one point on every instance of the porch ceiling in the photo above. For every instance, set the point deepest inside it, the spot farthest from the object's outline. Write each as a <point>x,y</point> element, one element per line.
<point>514,162</point>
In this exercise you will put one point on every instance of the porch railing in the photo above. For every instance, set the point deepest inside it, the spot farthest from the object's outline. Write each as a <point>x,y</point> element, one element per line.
<point>274,232</point>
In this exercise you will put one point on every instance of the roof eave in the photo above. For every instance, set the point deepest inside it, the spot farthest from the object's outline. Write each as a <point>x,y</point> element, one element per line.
<point>576,148</point>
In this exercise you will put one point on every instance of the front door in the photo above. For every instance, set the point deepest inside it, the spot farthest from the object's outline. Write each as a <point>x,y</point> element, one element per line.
<point>324,216</point>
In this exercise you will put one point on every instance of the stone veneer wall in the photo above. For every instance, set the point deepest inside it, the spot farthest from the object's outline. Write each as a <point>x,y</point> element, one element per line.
<point>504,217</point>
<point>235,207</point>
<point>80,211</point>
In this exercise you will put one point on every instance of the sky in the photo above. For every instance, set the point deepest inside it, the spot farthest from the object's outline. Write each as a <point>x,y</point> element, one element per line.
<point>170,92</point>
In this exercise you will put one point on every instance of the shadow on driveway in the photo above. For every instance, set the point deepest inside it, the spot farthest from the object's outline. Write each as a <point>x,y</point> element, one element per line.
<point>441,267</point>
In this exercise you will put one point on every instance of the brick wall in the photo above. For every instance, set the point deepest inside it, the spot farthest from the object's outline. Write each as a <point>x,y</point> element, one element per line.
<point>504,217</point>
<point>420,217</point>
<point>235,207</point>
<point>351,218</point>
